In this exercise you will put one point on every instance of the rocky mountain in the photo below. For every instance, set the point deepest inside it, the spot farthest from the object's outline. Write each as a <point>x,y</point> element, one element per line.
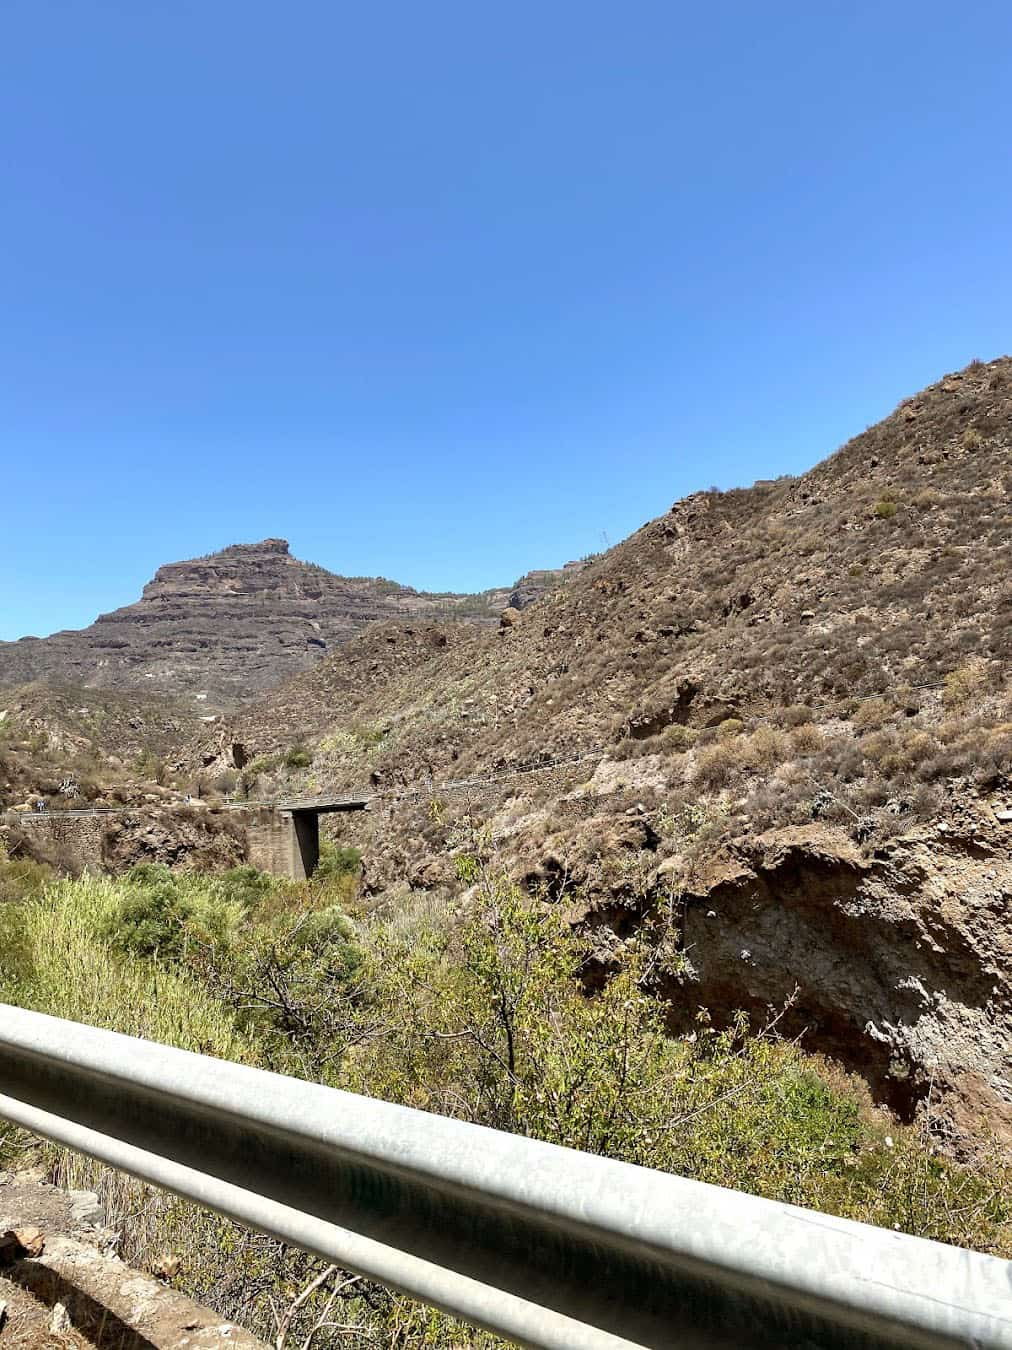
<point>228,626</point>
<point>785,717</point>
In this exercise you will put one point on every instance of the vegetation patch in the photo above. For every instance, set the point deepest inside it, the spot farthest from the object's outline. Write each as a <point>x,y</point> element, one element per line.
<point>478,1010</point>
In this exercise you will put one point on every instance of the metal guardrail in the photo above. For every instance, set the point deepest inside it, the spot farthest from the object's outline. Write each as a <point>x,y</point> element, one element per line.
<point>544,1245</point>
<point>322,804</point>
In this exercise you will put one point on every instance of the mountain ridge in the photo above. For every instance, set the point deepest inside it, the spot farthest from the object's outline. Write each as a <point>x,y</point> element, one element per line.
<point>229,625</point>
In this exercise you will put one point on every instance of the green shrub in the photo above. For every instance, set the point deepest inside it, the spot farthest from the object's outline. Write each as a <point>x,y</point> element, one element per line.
<point>55,957</point>
<point>298,757</point>
<point>885,509</point>
<point>160,914</point>
<point>262,764</point>
<point>676,739</point>
<point>22,878</point>
<point>291,983</point>
<point>246,885</point>
<point>150,918</point>
<point>479,1014</point>
<point>336,861</point>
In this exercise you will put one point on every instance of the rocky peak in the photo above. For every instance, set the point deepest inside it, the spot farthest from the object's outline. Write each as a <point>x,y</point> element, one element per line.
<point>266,566</point>
<point>247,550</point>
<point>226,626</point>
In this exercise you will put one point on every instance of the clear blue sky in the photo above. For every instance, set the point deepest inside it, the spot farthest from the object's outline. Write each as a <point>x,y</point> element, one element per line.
<point>445,291</point>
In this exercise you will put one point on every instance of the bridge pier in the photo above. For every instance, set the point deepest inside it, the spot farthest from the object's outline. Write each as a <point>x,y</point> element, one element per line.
<point>284,839</point>
<point>305,844</point>
<point>285,843</point>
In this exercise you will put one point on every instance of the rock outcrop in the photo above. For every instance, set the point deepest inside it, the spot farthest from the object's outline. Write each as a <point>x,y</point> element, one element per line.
<point>533,585</point>
<point>898,964</point>
<point>66,1289</point>
<point>226,627</point>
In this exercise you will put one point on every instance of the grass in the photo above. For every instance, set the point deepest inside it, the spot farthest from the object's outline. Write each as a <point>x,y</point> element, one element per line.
<point>55,958</point>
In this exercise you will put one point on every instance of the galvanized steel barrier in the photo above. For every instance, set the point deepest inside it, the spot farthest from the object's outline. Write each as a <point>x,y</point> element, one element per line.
<point>546,1246</point>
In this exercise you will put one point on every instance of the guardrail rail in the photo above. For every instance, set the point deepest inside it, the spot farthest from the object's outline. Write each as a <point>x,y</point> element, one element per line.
<point>546,1246</point>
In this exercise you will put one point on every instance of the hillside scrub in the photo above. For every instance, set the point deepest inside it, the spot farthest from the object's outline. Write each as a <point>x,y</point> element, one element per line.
<point>478,1010</point>
<point>75,746</point>
<point>21,876</point>
<point>732,607</point>
<point>55,957</point>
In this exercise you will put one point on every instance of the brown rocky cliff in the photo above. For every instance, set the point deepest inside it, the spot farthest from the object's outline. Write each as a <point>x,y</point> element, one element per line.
<point>228,626</point>
<point>902,961</point>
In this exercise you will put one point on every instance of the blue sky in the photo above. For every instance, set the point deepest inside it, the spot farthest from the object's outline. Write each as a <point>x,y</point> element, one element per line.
<point>447,291</point>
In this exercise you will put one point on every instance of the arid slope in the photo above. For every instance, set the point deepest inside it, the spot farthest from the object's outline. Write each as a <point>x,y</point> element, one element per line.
<point>796,702</point>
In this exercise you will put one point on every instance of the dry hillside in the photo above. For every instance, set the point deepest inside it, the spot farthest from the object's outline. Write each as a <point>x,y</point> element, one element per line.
<point>877,574</point>
<point>74,745</point>
<point>795,703</point>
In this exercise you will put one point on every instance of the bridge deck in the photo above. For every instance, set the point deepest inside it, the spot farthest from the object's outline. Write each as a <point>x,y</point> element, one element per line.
<point>322,805</point>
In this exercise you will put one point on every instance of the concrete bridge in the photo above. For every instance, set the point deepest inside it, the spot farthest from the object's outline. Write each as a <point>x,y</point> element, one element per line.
<point>281,837</point>
<point>284,837</point>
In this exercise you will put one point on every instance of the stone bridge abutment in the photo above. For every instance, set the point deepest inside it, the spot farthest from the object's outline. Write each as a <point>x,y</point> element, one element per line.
<point>284,843</point>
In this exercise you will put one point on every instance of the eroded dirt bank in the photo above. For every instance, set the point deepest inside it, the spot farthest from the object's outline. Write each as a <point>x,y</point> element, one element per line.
<point>896,960</point>
<point>901,961</point>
